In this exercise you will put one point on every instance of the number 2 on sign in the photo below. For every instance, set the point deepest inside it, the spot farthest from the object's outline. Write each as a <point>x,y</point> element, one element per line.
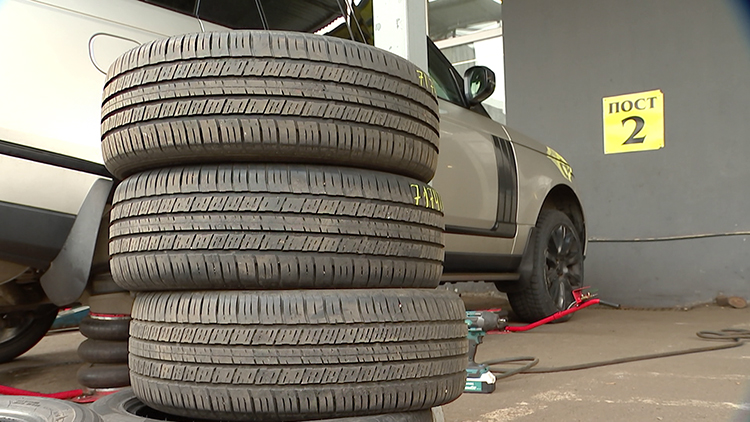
<point>639,124</point>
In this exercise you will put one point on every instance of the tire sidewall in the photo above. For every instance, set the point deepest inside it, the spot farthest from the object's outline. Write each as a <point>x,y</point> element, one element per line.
<point>117,407</point>
<point>103,351</point>
<point>35,409</point>
<point>115,329</point>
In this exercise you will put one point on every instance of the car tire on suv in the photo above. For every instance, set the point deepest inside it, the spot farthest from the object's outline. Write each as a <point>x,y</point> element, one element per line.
<point>21,330</point>
<point>557,259</point>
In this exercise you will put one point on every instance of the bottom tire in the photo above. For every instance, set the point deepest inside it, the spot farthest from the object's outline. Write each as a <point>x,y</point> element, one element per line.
<point>296,355</point>
<point>42,409</point>
<point>124,406</point>
<point>104,375</point>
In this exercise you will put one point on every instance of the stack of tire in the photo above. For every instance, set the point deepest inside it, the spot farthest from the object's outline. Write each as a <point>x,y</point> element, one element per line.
<point>106,328</point>
<point>275,220</point>
<point>105,351</point>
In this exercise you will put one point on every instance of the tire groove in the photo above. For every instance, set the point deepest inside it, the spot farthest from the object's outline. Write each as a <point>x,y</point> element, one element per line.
<point>227,88</point>
<point>430,104</point>
<point>430,138</point>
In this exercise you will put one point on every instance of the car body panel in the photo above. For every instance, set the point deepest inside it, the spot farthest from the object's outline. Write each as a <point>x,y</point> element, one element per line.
<point>55,85</point>
<point>467,170</point>
<point>56,91</point>
<point>55,188</point>
<point>105,48</point>
<point>32,236</point>
<point>52,96</point>
<point>537,175</point>
<point>210,26</point>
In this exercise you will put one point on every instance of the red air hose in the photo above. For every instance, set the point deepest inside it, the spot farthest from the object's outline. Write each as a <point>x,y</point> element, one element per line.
<point>63,395</point>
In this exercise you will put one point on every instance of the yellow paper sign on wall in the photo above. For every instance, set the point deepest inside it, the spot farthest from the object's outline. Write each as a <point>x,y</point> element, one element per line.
<point>634,122</point>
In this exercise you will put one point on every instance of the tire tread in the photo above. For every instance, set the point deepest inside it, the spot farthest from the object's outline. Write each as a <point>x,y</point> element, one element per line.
<point>274,226</point>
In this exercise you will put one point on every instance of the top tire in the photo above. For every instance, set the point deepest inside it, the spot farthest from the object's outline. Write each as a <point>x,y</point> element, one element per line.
<point>262,96</point>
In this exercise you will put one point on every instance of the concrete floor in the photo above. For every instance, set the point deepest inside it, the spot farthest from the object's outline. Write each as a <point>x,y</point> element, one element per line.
<point>712,386</point>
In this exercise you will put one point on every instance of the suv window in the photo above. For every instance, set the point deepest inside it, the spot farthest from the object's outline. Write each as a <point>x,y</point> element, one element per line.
<point>292,15</point>
<point>182,6</point>
<point>445,78</point>
<point>235,14</point>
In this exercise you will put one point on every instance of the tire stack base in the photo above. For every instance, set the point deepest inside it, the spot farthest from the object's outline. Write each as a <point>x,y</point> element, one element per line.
<point>124,405</point>
<point>297,354</point>
<point>106,328</point>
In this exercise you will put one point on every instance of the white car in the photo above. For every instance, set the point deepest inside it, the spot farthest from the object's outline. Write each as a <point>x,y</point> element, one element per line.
<point>512,213</point>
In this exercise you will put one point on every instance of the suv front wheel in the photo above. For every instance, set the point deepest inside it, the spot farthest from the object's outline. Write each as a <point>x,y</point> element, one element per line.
<point>557,259</point>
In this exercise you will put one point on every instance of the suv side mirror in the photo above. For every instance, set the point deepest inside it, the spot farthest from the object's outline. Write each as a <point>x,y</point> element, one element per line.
<point>479,84</point>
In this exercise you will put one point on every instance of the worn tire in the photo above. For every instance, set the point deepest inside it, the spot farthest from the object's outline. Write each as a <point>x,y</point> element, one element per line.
<point>124,406</point>
<point>103,375</point>
<point>252,226</point>
<point>557,269</point>
<point>110,329</point>
<point>22,330</point>
<point>100,351</point>
<point>266,96</point>
<point>295,355</point>
<point>42,409</point>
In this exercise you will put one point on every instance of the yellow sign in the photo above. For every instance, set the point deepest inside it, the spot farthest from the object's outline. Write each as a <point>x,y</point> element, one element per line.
<point>634,122</point>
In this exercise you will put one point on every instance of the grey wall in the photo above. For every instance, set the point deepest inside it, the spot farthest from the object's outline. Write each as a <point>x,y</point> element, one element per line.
<point>562,57</point>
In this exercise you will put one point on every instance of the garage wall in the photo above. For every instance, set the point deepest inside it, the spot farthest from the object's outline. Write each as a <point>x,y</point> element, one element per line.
<point>667,227</point>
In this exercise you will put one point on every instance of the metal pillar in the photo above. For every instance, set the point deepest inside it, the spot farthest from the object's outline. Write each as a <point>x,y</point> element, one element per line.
<point>401,28</point>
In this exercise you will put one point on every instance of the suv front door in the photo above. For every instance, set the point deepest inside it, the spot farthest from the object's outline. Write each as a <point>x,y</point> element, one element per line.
<point>476,175</point>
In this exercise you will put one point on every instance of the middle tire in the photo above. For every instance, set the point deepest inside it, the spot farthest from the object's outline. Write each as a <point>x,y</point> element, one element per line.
<point>250,226</point>
<point>297,355</point>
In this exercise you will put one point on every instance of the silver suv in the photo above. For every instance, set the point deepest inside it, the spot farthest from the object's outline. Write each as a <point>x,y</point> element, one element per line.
<point>512,213</point>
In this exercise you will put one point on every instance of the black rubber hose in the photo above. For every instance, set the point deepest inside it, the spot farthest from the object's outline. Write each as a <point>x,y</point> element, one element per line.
<point>736,336</point>
<point>505,373</point>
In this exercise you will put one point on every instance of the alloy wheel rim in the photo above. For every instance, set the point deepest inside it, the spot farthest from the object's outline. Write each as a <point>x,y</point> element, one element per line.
<point>12,324</point>
<point>562,265</point>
